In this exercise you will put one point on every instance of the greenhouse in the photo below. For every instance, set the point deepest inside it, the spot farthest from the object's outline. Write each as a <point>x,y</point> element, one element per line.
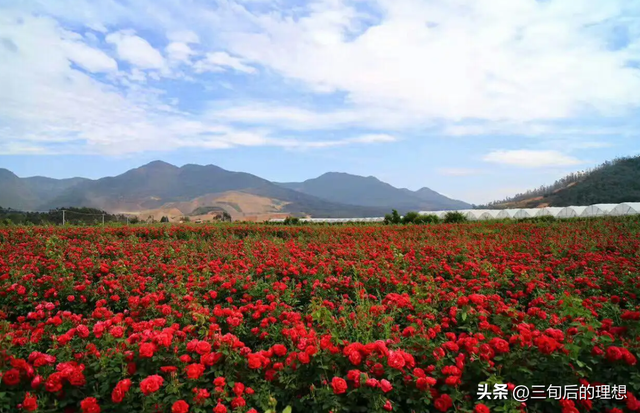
<point>526,213</point>
<point>598,210</point>
<point>571,212</point>
<point>628,208</point>
<point>489,214</point>
<point>507,213</point>
<point>549,212</point>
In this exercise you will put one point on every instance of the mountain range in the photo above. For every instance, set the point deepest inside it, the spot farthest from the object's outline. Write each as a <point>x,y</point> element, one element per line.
<point>183,190</point>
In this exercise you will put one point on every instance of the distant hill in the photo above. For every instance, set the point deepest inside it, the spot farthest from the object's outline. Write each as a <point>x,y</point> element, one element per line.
<point>158,183</point>
<point>612,182</point>
<point>369,191</point>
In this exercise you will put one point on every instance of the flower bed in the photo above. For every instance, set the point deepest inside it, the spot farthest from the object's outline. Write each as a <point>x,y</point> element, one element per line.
<point>317,319</point>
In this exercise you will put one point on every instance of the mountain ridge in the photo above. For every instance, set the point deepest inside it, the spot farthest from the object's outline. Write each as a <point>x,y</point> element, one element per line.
<point>160,183</point>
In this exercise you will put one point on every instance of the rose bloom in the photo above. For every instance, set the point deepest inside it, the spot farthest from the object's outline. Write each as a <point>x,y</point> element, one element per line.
<point>147,350</point>
<point>151,384</point>
<point>180,407</point>
<point>443,403</point>
<point>481,408</point>
<point>11,377</point>
<point>30,403</point>
<point>90,405</point>
<point>385,386</point>
<point>194,371</point>
<point>220,408</point>
<point>203,348</point>
<point>339,385</point>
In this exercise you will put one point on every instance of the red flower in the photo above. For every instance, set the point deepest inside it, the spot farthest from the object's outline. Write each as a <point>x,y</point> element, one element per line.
<point>339,385</point>
<point>30,403</point>
<point>279,350</point>
<point>481,408</point>
<point>151,384</point>
<point>385,386</point>
<point>614,353</point>
<point>90,405</point>
<point>194,371</point>
<point>443,403</point>
<point>396,360</point>
<point>220,408</point>
<point>203,348</point>
<point>147,350</point>
<point>255,362</point>
<point>238,389</point>
<point>500,345</point>
<point>120,390</point>
<point>387,406</point>
<point>11,377</point>
<point>180,407</point>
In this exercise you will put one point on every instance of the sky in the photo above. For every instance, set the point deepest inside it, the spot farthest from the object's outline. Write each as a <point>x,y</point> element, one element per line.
<point>476,99</point>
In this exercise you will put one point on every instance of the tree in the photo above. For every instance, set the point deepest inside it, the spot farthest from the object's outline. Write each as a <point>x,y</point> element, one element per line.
<point>226,217</point>
<point>164,219</point>
<point>454,217</point>
<point>392,218</point>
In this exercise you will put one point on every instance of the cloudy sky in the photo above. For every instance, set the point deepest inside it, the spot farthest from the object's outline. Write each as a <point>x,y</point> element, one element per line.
<point>477,99</point>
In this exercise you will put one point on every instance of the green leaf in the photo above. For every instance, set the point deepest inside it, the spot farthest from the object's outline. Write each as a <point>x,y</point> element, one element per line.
<point>287,409</point>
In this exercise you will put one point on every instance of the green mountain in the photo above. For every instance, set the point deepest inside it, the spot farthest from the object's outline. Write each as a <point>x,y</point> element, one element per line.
<point>369,191</point>
<point>612,182</point>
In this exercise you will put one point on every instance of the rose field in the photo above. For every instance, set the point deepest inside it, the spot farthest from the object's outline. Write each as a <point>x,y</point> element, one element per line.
<point>349,318</point>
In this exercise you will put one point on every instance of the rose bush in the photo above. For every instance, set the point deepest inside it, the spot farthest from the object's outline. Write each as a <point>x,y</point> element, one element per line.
<point>253,318</point>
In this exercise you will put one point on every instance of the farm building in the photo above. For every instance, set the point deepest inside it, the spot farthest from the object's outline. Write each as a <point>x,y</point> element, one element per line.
<point>549,212</point>
<point>628,208</point>
<point>598,210</point>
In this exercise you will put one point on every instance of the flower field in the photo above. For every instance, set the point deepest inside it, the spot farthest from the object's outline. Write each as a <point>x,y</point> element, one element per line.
<point>257,318</point>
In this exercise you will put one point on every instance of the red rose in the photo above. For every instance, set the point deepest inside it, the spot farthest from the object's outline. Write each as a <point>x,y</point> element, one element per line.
<point>180,407</point>
<point>385,385</point>
<point>30,403</point>
<point>220,408</point>
<point>203,348</point>
<point>255,362</point>
<point>151,384</point>
<point>339,385</point>
<point>443,403</point>
<point>120,390</point>
<point>614,353</point>
<point>396,360</point>
<point>147,350</point>
<point>238,389</point>
<point>500,345</point>
<point>387,406</point>
<point>279,350</point>
<point>238,402</point>
<point>90,405</point>
<point>481,408</point>
<point>11,377</point>
<point>194,371</point>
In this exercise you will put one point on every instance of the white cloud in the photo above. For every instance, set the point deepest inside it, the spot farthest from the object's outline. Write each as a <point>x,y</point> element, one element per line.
<point>374,138</point>
<point>136,50</point>
<point>179,51</point>
<point>524,158</point>
<point>220,61</point>
<point>518,60</point>
<point>88,58</point>
<point>183,36</point>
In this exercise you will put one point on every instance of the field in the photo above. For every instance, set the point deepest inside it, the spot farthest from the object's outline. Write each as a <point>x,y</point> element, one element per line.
<point>375,318</point>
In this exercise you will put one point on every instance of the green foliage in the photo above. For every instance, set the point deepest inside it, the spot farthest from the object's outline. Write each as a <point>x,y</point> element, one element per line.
<point>410,217</point>
<point>454,217</point>
<point>393,218</point>
<point>164,219</point>
<point>291,221</point>
<point>427,219</point>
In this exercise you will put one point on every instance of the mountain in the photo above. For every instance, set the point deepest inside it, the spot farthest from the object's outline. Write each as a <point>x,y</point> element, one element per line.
<point>158,184</point>
<point>613,182</point>
<point>369,191</point>
<point>14,192</point>
<point>182,190</point>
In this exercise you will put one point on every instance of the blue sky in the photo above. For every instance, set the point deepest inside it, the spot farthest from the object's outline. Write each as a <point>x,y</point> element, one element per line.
<point>476,99</point>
